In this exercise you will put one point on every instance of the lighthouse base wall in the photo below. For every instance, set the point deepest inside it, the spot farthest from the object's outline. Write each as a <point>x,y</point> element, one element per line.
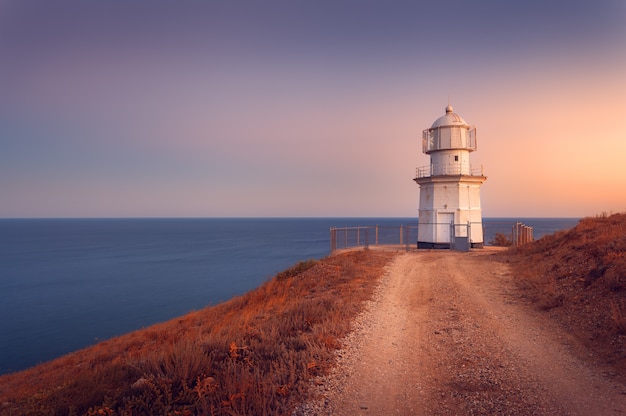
<point>430,245</point>
<point>450,211</point>
<point>446,246</point>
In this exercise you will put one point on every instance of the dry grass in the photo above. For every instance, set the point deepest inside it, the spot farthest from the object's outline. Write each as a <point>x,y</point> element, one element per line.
<point>251,355</point>
<point>579,276</point>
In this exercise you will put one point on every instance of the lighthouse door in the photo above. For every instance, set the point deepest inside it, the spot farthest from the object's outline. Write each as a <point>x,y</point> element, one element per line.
<point>444,221</point>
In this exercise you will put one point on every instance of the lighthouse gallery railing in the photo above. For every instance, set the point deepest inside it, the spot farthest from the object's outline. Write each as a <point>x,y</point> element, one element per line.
<point>451,169</point>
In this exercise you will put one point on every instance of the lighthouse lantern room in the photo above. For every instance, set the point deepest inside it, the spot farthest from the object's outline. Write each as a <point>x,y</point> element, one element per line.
<point>450,214</point>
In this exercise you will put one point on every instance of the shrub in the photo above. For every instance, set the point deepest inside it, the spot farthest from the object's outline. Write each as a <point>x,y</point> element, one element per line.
<point>501,240</point>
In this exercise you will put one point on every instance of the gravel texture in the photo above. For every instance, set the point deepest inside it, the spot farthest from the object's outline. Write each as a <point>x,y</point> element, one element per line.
<point>449,333</point>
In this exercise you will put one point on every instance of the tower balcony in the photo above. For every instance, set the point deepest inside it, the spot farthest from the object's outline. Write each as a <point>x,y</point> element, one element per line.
<point>448,170</point>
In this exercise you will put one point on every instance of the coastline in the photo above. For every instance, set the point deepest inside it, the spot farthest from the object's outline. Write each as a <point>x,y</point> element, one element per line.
<point>307,310</point>
<point>75,282</point>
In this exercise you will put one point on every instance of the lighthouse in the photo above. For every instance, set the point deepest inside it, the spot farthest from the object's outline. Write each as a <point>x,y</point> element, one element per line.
<point>450,214</point>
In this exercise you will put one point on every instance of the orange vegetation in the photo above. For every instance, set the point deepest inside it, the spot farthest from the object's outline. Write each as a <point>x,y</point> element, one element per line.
<point>251,355</point>
<point>579,277</point>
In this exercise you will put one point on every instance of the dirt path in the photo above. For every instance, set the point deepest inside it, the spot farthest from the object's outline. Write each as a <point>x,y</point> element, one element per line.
<point>447,333</point>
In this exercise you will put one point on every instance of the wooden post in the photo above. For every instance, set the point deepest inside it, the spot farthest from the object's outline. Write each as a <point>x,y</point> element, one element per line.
<point>521,234</point>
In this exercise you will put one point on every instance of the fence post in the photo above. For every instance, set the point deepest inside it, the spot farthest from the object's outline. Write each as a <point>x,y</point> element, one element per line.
<point>376,234</point>
<point>407,236</point>
<point>521,234</point>
<point>401,235</point>
<point>367,234</point>
<point>333,239</point>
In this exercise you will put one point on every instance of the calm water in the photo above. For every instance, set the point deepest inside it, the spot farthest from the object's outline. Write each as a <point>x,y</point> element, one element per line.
<point>67,283</point>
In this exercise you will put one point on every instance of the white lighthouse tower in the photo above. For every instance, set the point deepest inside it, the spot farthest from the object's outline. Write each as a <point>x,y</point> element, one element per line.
<point>450,215</point>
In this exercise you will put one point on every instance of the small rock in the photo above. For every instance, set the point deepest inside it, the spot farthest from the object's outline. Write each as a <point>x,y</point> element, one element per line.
<point>139,384</point>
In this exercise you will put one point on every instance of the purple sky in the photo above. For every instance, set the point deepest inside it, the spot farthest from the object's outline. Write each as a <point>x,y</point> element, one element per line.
<point>305,108</point>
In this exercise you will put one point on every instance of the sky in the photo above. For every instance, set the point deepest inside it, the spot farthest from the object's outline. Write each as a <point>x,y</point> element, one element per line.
<point>306,108</point>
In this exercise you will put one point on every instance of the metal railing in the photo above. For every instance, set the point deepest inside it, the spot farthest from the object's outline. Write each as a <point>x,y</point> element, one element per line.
<point>452,169</point>
<point>406,235</point>
<point>403,235</point>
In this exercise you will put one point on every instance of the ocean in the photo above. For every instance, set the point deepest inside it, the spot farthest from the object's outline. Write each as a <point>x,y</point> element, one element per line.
<point>68,283</point>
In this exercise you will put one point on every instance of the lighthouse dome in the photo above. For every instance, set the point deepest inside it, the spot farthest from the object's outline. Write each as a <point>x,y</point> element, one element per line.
<point>449,119</point>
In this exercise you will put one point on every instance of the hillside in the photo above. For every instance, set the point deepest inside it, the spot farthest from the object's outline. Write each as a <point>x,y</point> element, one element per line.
<point>251,355</point>
<point>482,327</point>
<point>578,277</point>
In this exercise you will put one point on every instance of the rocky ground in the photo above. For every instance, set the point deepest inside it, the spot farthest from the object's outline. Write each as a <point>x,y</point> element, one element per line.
<point>450,333</point>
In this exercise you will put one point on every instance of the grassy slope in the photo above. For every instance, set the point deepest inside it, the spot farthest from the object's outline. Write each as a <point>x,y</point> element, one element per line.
<point>251,355</point>
<point>579,277</point>
<point>256,353</point>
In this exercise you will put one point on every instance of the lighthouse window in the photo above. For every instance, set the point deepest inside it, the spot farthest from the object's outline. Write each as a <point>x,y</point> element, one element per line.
<point>456,158</point>
<point>444,138</point>
<point>455,138</point>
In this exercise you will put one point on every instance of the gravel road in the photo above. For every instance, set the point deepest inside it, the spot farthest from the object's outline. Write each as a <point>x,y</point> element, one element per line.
<point>449,333</point>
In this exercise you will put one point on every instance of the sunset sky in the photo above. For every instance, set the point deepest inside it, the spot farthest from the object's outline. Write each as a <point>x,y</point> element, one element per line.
<point>306,108</point>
